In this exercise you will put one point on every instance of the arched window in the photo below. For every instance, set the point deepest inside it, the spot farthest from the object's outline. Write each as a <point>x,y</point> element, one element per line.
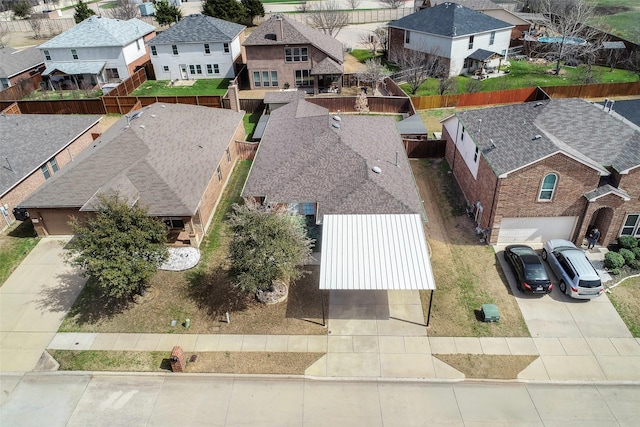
<point>548,187</point>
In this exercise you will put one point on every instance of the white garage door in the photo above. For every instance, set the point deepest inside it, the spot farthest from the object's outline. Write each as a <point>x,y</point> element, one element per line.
<point>522,230</point>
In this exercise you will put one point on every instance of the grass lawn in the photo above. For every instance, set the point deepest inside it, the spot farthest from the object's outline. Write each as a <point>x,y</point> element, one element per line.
<point>250,122</point>
<point>15,244</point>
<point>626,299</point>
<point>526,74</point>
<point>484,366</point>
<point>203,294</point>
<point>200,87</point>
<point>63,94</point>
<point>363,54</point>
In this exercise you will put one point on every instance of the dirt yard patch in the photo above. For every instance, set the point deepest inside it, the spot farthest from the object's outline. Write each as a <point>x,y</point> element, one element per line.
<point>483,366</point>
<point>466,271</point>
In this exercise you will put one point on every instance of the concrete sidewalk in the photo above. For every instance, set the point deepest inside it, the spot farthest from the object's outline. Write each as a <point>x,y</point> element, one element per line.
<point>33,302</point>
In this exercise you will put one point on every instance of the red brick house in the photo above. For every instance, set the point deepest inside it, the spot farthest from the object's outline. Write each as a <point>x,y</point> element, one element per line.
<point>178,175</point>
<point>17,65</point>
<point>35,148</point>
<point>551,169</point>
<point>281,52</point>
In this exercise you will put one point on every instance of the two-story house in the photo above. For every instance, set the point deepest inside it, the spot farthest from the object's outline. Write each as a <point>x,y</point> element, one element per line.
<point>197,47</point>
<point>281,52</point>
<point>552,169</point>
<point>466,40</point>
<point>95,51</point>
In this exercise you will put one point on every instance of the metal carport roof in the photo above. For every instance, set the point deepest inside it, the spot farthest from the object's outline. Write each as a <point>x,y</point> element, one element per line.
<point>374,252</point>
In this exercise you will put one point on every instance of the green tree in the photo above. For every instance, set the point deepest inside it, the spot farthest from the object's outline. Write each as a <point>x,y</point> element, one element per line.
<point>82,12</point>
<point>268,244</point>
<point>253,8</point>
<point>21,9</point>
<point>166,13</point>
<point>229,10</point>
<point>120,247</point>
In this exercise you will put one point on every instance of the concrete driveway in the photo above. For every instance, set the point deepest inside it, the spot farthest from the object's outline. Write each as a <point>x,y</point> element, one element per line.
<point>33,302</point>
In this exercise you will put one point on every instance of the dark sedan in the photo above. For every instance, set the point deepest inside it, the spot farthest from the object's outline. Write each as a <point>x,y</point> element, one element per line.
<point>530,273</point>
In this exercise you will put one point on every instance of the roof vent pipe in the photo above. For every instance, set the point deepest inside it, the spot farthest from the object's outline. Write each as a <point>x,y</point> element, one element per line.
<point>611,106</point>
<point>606,101</point>
<point>536,137</point>
<point>479,124</point>
<point>397,159</point>
<point>376,169</point>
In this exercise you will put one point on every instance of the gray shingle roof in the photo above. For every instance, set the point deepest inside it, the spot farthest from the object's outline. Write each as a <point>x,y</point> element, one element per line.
<point>412,125</point>
<point>572,126</point>
<point>14,61</point>
<point>482,55</point>
<point>84,67</point>
<point>170,160</point>
<point>303,158</point>
<point>199,29</point>
<point>282,96</point>
<point>294,33</point>
<point>603,190</point>
<point>449,20</point>
<point>30,140</point>
<point>100,32</point>
<point>326,66</point>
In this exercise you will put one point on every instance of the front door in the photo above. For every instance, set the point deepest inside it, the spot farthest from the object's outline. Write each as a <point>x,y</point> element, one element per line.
<point>183,71</point>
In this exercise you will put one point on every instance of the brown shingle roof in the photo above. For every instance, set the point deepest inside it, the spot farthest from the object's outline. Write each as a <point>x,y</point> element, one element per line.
<point>303,158</point>
<point>166,157</point>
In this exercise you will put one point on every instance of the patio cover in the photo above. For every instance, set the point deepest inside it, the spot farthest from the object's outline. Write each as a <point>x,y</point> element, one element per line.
<point>483,55</point>
<point>94,67</point>
<point>412,125</point>
<point>261,126</point>
<point>374,252</point>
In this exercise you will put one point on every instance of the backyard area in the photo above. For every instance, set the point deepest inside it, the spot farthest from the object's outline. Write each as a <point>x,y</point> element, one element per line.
<point>199,87</point>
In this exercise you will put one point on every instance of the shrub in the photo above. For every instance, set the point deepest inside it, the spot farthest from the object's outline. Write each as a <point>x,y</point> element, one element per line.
<point>635,264</point>
<point>627,255</point>
<point>636,252</point>
<point>627,242</point>
<point>613,260</point>
<point>615,271</point>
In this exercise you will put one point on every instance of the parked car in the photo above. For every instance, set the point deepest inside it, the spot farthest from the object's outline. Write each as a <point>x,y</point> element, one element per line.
<point>578,278</point>
<point>530,273</point>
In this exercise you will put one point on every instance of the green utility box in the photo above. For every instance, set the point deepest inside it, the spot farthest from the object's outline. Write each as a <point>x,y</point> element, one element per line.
<point>490,313</point>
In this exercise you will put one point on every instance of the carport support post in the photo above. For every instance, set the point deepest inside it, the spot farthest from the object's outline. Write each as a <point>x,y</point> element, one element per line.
<point>429,312</point>
<point>324,325</point>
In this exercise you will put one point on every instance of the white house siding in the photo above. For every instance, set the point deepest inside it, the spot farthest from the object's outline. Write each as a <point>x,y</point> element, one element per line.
<point>429,43</point>
<point>465,145</point>
<point>193,54</point>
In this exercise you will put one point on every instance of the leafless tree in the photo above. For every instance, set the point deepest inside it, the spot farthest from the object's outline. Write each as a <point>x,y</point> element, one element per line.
<point>393,4</point>
<point>416,67</point>
<point>4,30</point>
<point>302,7</point>
<point>354,3</point>
<point>373,73</point>
<point>446,84</point>
<point>36,25</point>
<point>124,10</point>
<point>327,17</point>
<point>362,103</point>
<point>383,37</point>
<point>633,62</point>
<point>370,41</point>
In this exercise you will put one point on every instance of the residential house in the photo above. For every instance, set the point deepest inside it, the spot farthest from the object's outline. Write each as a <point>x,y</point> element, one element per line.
<point>174,159</point>
<point>35,148</point>
<point>197,47</point>
<point>17,65</point>
<point>351,176</point>
<point>466,40</point>
<point>281,52</point>
<point>96,51</point>
<point>551,169</point>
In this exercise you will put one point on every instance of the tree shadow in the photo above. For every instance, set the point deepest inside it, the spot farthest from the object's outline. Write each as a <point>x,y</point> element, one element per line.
<point>23,230</point>
<point>213,291</point>
<point>306,299</point>
<point>91,305</point>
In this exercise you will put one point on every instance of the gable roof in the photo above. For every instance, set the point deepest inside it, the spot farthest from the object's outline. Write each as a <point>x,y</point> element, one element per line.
<point>100,32</point>
<point>302,157</point>
<point>449,20</point>
<point>471,4</point>
<point>199,28</point>
<point>574,127</point>
<point>168,170</point>
<point>293,32</point>
<point>14,61</point>
<point>27,141</point>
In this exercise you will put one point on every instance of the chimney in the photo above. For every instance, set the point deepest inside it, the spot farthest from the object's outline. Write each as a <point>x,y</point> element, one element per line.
<point>279,35</point>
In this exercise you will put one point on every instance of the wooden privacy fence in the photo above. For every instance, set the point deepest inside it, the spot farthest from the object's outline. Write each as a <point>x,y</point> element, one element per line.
<point>377,104</point>
<point>477,98</point>
<point>246,150</point>
<point>593,90</point>
<point>21,89</point>
<point>61,106</point>
<point>424,148</point>
<point>124,104</point>
<point>129,85</point>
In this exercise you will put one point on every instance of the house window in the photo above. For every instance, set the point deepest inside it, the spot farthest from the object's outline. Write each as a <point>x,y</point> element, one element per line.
<point>303,78</point>
<point>111,73</point>
<point>138,43</point>
<point>492,38</point>
<point>54,165</point>
<point>265,78</point>
<point>45,171</point>
<point>74,53</point>
<point>165,68</point>
<point>226,47</point>
<point>219,172</point>
<point>174,49</point>
<point>308,208</point>
<point>47,55</point>
<point>631,226</point>
<point>296,54</point>
<point>407,37</point>
<point>154,51</point>
<point>475,156</point>
<point>470,42</point>
<point>174,223</point>
<point>209,68</point>
<point>216,69</point>
<point>4,83</point>
<point>467,63</point>
<point>548,187</point>
<point>195,69</point>
<point>207,50</point>
<point>228,155</point>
